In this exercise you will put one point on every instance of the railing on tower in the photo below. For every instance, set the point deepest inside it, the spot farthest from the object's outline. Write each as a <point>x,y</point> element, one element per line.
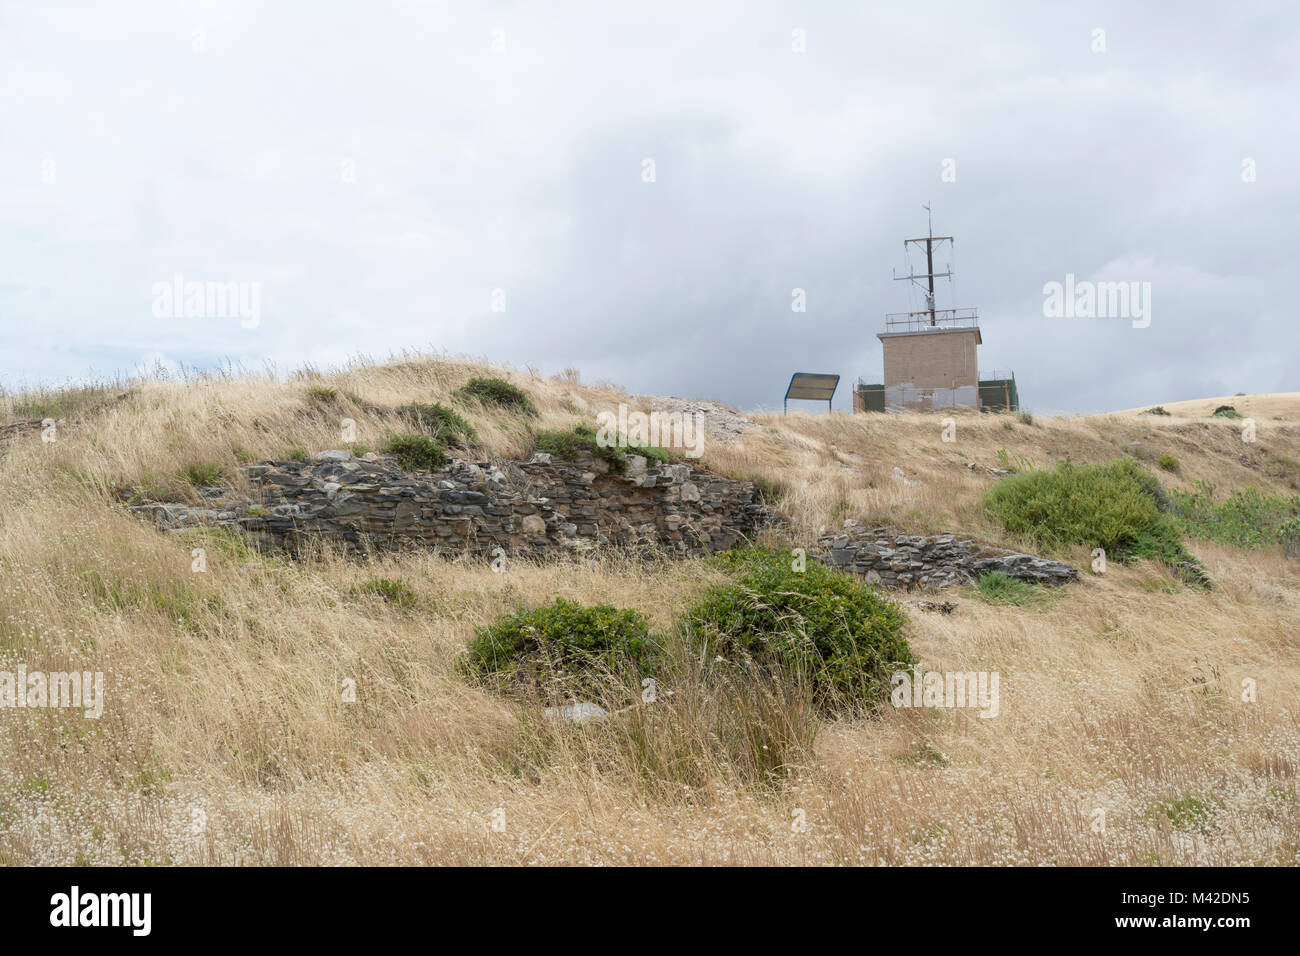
<point>939,319</point>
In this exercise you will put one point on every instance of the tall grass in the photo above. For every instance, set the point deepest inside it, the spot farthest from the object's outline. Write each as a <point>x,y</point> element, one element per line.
<point>227,691</point>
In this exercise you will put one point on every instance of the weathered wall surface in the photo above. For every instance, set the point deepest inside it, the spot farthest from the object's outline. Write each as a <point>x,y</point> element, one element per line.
<point>894,560</point>
<point>540,507</point>
<point>942,358</point>
<point>548,507</point>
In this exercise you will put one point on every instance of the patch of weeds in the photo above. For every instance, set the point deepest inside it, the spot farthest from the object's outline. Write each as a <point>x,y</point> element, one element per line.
<point>390,590</point>
<point>1288,534</point>
<point>581,440</point>
<point>1013,465</point>
<point>417,453</point>
<point>226,542</point>
<point>1226,411</point>
<point>448,427</point>
<point>1191,812</point>
<point>497,393</point>
<point>201,474</point>
<point>323,394</point>
<point>1158,410</point>
<point>1001,589</point>
<point>770,491</point>
<point>1248,518</point>
<point>1168,463</point>
<point>841,509</point>
<point>360,451</point>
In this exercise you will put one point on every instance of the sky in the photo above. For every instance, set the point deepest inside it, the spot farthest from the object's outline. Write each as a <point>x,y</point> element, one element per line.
<point>637,190</point>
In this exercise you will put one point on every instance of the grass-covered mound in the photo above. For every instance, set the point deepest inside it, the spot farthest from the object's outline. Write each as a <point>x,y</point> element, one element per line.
<point>564,651</point>
<point>1119,507</point>
<point>803,622</point>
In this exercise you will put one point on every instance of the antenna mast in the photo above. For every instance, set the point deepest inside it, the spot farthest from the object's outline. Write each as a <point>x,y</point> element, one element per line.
<point>929,275</point>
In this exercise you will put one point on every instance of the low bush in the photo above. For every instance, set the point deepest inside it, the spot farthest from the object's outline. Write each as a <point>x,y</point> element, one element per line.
<point>1168,462</point>
<point>814,627</point>
<point>199,474</point>
<point>564,651</point>
<point>1119,507</point>
<point>447,426</point>
<point>322,394</point>
<point>496,393</point>
<point>1226,411</point>
<point>417,452</point>
<point>390,590</point>
<point>1158,410</point>
<point>576,442</point>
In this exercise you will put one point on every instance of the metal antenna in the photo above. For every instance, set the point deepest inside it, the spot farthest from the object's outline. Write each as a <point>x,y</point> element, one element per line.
<point>929,275</point>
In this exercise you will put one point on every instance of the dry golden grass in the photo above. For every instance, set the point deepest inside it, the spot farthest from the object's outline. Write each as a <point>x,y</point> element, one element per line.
<point>225,737</point>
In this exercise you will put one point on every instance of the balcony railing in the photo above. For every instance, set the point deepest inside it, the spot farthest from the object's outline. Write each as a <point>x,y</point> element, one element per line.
<point>943,319</point>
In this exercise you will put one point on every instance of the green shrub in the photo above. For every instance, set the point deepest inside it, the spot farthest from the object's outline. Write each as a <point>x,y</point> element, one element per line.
<point>449,427</point>
<point>322,394</point>
<point>1158,410</point>
<point>1001,589</point>
<point>580,440</point>
<point>496,393</point>
<point>1118,507</point>
<point>200,474</point>
<point>1191,812</point>
<point>1105,506</point>
<point>564,650</point>
<point>653,453</point>
<point>392,591</point>
<point>1248,518</point>
<point>359,451</point>
<point>1168,462</point>
<point>1289,536</point>
<point>1226,411</point>
<point>817,627</point>
<point>417,452</point>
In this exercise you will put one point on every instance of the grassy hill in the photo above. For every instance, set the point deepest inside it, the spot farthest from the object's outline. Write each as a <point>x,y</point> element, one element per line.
<point>226,736</point>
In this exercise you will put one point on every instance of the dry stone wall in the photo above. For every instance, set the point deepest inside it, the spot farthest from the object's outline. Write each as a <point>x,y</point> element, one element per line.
<point>542,506</point>
<point>905,561</point>
<point>548,507</point>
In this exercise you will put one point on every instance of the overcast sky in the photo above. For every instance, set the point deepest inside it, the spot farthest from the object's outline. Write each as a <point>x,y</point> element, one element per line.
<point>388,174</point>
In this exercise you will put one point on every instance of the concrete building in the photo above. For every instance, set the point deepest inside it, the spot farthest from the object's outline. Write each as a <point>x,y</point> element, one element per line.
<point>932,367</point>
<point>931,357</point>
